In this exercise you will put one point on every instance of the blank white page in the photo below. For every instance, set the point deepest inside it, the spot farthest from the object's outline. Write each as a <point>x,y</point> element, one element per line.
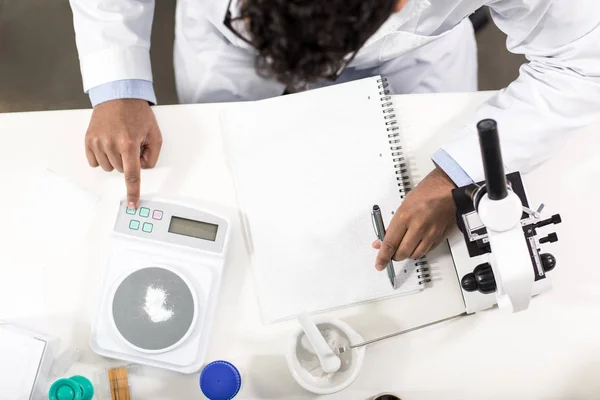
<point>53,219</point>
<point>20,360</point>
<point>309,167</point>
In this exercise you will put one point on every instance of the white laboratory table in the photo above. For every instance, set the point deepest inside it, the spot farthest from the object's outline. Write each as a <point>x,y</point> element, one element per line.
<point>551,351</point>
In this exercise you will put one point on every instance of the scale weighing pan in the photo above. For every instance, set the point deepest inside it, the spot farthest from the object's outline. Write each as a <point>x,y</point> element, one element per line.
<point>160,285</point>
<point>132,321</point>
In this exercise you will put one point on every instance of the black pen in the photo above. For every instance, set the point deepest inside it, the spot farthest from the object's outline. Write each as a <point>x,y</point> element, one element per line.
<point>380,232</point>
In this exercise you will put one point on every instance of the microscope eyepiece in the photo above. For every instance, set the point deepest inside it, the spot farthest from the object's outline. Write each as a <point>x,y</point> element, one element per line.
<point>491,155</point>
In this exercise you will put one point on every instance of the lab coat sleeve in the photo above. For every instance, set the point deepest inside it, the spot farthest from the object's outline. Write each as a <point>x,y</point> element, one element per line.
<point>113,40</point>
<point>454,171</point>
<point>124,89</point>
<point>557,92</point>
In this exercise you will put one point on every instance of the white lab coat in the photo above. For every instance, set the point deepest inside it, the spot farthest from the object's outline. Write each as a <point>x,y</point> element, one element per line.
<point>429,44</point>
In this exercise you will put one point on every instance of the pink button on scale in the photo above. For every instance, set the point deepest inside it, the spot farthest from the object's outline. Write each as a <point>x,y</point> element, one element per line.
<point>157,214</point>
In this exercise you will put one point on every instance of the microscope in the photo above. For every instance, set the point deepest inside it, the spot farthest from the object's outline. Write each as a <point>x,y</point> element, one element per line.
<point>497,251</point>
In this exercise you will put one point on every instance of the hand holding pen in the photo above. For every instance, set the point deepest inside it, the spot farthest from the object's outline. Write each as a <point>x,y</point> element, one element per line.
<point>380,232</point>
<point>422,221</point>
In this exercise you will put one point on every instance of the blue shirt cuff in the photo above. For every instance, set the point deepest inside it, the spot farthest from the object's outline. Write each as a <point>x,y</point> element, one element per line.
<point>458,175</point>
<point>123,89</point>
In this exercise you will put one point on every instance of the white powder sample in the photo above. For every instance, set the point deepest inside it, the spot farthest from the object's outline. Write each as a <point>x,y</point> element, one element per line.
<point>310,362</point>
<point>155,307</point>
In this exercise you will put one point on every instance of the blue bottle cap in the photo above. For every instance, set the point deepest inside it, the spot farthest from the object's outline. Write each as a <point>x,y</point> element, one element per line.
<point>220,380</point>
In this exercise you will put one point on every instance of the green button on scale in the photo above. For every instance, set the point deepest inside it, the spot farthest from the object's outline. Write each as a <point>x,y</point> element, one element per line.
<point>133,224</point>
<point>147,227</point>
<point>144,212</point>
<point>130,211</point>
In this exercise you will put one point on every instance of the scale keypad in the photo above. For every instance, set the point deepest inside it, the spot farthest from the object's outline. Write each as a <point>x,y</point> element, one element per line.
<point>143,212</point>
<point>152,220</point>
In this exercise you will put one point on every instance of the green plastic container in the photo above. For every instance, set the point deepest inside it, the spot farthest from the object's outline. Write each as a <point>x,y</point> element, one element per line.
<point>73,388</point>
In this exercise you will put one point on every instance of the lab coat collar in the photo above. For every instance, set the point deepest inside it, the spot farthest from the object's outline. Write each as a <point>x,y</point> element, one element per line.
<point>411,11</point>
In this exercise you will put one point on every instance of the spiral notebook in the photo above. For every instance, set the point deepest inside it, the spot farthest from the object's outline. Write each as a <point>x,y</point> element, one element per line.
<point>308,169</point>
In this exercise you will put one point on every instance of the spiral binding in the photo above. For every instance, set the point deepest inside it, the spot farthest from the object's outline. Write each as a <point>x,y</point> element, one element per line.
<point>400,167</point>
<point>423,271</point>
<point>389,116</point>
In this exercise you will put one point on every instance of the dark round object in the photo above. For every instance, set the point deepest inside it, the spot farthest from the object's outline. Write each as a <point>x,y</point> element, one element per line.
<point>220,380</point>
<point>133,322</point>
<point>469,283</point>
<point>387,397</point>
<point>548,261</point>
<point>486,283</point>
<point>481,279</point>
<point>487,126</point>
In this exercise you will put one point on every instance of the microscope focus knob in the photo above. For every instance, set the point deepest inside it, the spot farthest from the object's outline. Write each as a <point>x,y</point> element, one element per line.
<point>481,279</point>
<point>469,283</point>
<point>555,219</point>
<point>551,238</point>
<point>548,261</point>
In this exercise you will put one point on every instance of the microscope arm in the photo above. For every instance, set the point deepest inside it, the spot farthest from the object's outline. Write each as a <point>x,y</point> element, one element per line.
<point>500,210</point>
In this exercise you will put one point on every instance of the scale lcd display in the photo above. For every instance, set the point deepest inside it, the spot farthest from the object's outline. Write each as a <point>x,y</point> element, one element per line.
<point>191,228</point>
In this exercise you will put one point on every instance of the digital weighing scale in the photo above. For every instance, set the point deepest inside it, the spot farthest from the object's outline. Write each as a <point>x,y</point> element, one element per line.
<point>171,249</point>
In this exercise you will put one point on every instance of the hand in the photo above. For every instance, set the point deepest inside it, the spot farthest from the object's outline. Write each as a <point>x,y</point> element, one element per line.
<point>421,222</point>
<point>124,135</point>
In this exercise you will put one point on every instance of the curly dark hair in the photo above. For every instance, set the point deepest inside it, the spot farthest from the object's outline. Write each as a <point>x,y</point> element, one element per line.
<point>306,41</point>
